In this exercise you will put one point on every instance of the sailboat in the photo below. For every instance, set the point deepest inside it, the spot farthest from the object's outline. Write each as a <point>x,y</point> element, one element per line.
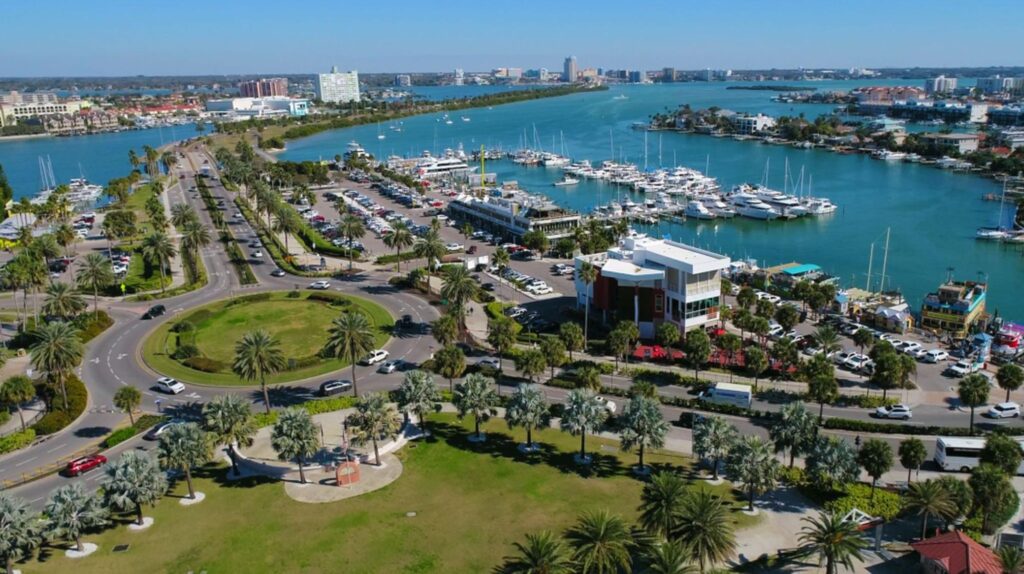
<point>998,232</point>
<point>380,134</point>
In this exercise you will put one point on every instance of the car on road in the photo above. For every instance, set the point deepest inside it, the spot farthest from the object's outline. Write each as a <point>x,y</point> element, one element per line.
<point>374,357</point>
<point>487,286</point>
<point>900,412</point>
<point>278,273</point>
<point>320,285</point>
<point>169,386</point>
<point>962,368</point>
<point>609,406</point>
<point>257,254</point>
<point>489,363</point>
<point>389,367</point>
<point>155,432</point>
<point>154,312</point>
<point>328,388</point>
<point>1003,411</point>
<point>84,464</point>
<point>935,355</point>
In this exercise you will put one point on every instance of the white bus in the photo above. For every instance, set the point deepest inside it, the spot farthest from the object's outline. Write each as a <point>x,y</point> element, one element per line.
<point>962,454</point>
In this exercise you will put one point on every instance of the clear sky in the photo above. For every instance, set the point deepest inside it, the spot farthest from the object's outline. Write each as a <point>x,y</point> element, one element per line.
<point>121,37</point>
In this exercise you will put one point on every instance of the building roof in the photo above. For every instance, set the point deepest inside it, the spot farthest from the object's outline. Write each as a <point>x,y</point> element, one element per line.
<point>691,259</point>
<point>959,554</point>
<point>628,271</point>
<point>801,269</point>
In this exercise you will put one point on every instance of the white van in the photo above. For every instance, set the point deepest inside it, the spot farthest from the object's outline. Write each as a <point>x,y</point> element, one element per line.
<point>728,394</point>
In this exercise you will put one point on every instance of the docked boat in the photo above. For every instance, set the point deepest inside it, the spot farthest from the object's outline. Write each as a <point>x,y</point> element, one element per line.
<point>748,205</point>
<point>698,210</point>
<point>992,233</point>
<point>819,206</point>
<point>565,181</point>
<point>886,155</point>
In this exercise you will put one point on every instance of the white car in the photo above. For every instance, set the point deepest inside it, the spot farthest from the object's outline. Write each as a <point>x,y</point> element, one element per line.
<point>454,247</point>
<point>257,254</point>
<point>609,406</point>
<point>321,285</point>
<point>1003,411</point>
<point>962,368</point>
<point>538,289</point>
<point>911,348</point>
<point>901,412</point>
<point>169,386</point>
<point>375,357</point>
<point>855,361</point>
<point>935,355</point>
<point>388,367</point>
<point>489,362</point>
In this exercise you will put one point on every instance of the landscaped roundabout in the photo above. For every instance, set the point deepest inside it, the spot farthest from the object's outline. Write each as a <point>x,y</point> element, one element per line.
<point>198,346</point>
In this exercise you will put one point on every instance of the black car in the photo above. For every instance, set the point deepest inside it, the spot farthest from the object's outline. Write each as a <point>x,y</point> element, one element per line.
<point>487,286</point>
<point>328,388</point>
<point>154,312</point>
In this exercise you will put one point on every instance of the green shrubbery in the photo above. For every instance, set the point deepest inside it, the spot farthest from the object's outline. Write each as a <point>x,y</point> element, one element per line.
<point>57,418</point>
<point>16,440</point>
<point>313,407</point>
<point>205,364</point>
<point>90,325</point>
<point>184,352</point>
<point>884,504</point>
<point>120,435</point>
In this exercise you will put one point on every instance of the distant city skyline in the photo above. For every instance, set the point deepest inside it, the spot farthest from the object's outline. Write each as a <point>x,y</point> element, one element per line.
<point>262,37</point>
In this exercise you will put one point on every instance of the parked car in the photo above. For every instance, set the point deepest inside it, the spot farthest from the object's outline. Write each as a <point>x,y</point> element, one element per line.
<point>320,285</point>
<point>901,412</point>
<point>454,247</point>
<point>855,361</point>
<point>374,357</point>
<point>935,355</point>
<point>1003,411</point>
<point>962,368</point>
<point>154,312</point>
<point>388,367</point>
<point>84,464</point>
<point>609,406</point>
<point>335,387</point>
<point>169,386</point>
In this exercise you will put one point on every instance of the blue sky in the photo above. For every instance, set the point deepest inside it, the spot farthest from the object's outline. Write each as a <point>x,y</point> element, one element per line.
<point>118,37</point>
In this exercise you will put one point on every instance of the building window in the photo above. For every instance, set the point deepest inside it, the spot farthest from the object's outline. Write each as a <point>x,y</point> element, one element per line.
<point>659,304</point>
<point>701,307</point>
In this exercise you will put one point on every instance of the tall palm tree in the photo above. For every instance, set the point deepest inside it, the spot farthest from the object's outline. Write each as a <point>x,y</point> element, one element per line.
<point>183,447</point>
<point>62,301</point>
<point>351,228</point>
<point>713,437</point>
<point>642,427</point>
<point>182,214</point>
<point>94,274</point>
<point>930,498</point>
<point>587,274</point>
<point>501,334</point>
<point>350,337</point>
<point>752,462</point>
<point>445,329</point>
<point>827,339</point>
<point>287,223</point>
<point>794,430</point>
<point>418,394</point>
<point>17,390</point>
<point>400,238</point>
<point>669,557</point>
<point>194,236</point>
<point>501,259</point>
<point>583,413</point>
<point>133,158</point>
<point>835,541</point>
<point>128,398</point>
<point>661,503</point>
<point>527,408</point>
<point>21,530</point>
<point>475,396</point>
<point>257,355</point>
<point>432,248</point>
<point>295,437</point>
<point>229,419</point>
<point>71,511</point>
<point>542,553</point>
<point>600,543</point>
<point>459,287</point>
<point>65,236</point>
<point>56,352</point>
<point>133,480</point>
<point>375,419</point>
<point>158,250</point>
<point>705,528</point>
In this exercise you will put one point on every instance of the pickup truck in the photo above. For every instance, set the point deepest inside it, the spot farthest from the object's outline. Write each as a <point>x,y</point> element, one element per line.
<point>963,367</point>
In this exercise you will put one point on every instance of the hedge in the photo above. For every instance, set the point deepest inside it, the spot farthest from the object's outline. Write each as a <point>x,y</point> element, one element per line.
<point>120,435</point>
<point>313,407</point>
<point>90,325</point>
<point>388,259</point>
<point>897,428</point>
<point>17,440</point>
<point>884,503</point>
<point>57,418</point>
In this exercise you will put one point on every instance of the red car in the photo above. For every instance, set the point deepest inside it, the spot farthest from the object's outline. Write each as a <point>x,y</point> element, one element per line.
<point>85,464</point>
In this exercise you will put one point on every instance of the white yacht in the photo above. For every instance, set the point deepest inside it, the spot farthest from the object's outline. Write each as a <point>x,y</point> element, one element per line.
<point>992,233</point>
<point>698,210</point>
<point>820,206</point>
<point>565,181</point>
<point>748,205</point>
<point>430,166</point>
<point>786,205</point>
<point>887,155</point>
<point>719,207</point>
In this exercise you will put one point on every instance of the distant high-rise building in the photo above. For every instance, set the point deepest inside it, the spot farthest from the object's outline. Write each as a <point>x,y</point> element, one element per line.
<point>636,76</point>
<point>460,78</point>
<point>668,74</point>
<point>263,88</point>
<point>569,70</point>
<point>994,85</point>
<point>708,75</point>
<point>940,85</point>
<point>543,75</point>
<point>403,80</point>
<point>514,73</point>
<point>335,86</point>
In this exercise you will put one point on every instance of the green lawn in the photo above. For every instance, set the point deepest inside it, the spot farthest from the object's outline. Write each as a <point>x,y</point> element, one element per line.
<point>299,324</point>
<point>471,503</point>
<point>137,280</point>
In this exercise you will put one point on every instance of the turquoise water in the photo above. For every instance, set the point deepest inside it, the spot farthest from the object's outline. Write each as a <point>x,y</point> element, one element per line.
<point>932,213</point>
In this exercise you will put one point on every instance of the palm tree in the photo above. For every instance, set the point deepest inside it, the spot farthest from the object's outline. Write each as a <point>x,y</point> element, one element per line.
<point>418,394</point>
<point>835,541</point>
<point>450,363</point>
<point>501,259</point>
<point>661,503</point>
<point>158,250</point>
<point>669,557</point>
<point>400,238</point>
<point>375,419</point>
<point>475,396</point>
<point>1010,377</point>
<point>71,510</point>
<point>752,462</point>
<point>459,286</point>
<point>527,408</point>
<point>295,437</point>
<point>133,480</point>
<point>229,420</point>
<point>62,301</point>
<point>182,214</point>
<point>21,530</point>
<point>16,391</point>
<point>542,553</point>
<point>65,236</point>
<point>133,158</point>
<point>351,228</point>
<point>194,236</point>
<point>973,392</point>
<point>287,223</point>
<point>793,431</point>
<point>56,352</point>
<point>432,248</point>
<point>713,437</point>
<point>705,529</point>
<point>927,499</point>
<point>445,330</point>
<point>94,274</point>
<point>257,355</point>
<point>183,447</point>
<point>643,427</point>
<point>600,543</point>
<point>350,337</point>
<point>128,398</point>
<point>1011,558</point>
<point>583,413</point>
<point>531,363</point>
<point>587,274</point>
<point>827,339</point>
<point>501,334</point>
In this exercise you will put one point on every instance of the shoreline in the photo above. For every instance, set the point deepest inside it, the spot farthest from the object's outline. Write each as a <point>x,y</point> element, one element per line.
<point>26,137</point>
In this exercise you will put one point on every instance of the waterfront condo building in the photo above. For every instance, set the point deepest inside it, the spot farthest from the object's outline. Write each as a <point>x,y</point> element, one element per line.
<point>569,70</point>
<point>748,124</point>
<point>940,85</point>
<point>653,281</point>
<point>954,308</point>
<point>337,87</point>
<point>263,88</point>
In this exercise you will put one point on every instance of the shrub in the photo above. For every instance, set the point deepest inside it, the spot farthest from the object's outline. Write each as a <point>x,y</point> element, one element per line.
<point>141,424</point>
<point>90,325</point>
<point>51,422</point>
<point>328,405</point>
<point>57,418</point>
<point>560,383</point>
<point>5,416</point>
<point>17,440</point>
<point>884,504</point>
<point>897,428</point>
<point>264,419</point>
<point>205,364</point>
<point>183,327</point>
<point>184,352</point>
<point>329,298</point>
<point>302,362</point>
<point>294,294</point>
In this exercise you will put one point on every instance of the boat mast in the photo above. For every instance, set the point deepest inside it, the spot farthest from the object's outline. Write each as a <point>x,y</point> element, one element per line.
<point>871,260</point>
<point>659,150</point>
<point>645,150</point>
<point>885,259</point>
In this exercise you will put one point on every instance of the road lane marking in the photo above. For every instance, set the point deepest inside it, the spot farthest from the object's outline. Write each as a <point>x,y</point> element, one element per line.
<point>26,461</point>
<point>60,446</point>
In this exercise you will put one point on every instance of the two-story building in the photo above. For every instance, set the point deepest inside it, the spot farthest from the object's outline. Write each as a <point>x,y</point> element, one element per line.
<point>653,281</point>
<point>954,308</point>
